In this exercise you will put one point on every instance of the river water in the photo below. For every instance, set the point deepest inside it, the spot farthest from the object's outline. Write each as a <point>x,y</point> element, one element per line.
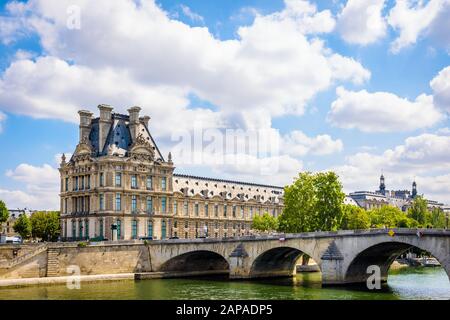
<point>406,283</point>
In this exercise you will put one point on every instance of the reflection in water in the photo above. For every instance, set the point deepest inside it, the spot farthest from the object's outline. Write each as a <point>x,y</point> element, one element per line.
<point>407,283</point>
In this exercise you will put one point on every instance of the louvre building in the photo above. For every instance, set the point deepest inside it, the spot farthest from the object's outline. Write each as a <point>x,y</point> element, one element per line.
<point>118,186</point>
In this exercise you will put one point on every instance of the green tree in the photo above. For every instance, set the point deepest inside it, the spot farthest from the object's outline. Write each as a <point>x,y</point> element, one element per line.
<point>390,217</point>
<point>23,226</point>
<point>418,210</point>
<point>313,202</point>
<point>45,225</point>
<point>437,218</point>
<point>354,217</point>
<point>266,222</point>
<point>4,213</point>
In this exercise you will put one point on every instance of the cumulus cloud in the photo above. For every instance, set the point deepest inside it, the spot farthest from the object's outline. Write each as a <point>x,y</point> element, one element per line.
<point>441,89</point>
<point>413,19</point>
<point>362,22</point>
<point>424,157</point>
<point>40,187</point>
<point>272,66</point>
<point>382,111</point>
<point>298,144</point>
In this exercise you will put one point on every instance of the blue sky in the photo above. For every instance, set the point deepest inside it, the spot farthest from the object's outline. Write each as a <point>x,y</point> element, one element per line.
<point>358,87</point>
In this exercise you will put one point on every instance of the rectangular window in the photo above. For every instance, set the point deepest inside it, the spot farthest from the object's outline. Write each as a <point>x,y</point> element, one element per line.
<point>186,208</point>
<point>149,183</point>
<point>216,210</point>
<point>118,179</point>
<point>196,209</point>
<point>251,212</point>
<point>234,211</point>
<point>86,228</point>
<point>102,179</point>
<point>163,204</point>
<point>82,182</point>
<point>225,209</point>
<point>119,228</point>
<point>134,182</point>
<point>163,184</point>
<point>175,207</point>
<point>76,184</point>
<point>101,201</point>
<point>134,229</point>
<point>242,211</point>
<point>133,204</point>
<point>88,182</point>
<point>67,184</point>
<point>206,210</point>
<point>149,205</point>
<point>118,202</point>
<point>150,229</point>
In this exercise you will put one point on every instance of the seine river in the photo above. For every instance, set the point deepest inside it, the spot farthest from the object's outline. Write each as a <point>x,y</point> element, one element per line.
<point>407,283</point>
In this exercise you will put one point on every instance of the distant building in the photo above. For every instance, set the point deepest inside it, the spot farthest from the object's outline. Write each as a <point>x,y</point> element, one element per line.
<point>7,227</point>
<point>401,199</point>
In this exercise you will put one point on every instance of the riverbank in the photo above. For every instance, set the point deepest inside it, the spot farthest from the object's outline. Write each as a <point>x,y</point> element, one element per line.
<point>45,281</point>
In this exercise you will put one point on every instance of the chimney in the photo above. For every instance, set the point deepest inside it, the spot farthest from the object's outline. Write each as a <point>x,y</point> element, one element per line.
<point>134,121</point>
<point>145,120</point>
<point>85,124</point>
<point>104,124</point>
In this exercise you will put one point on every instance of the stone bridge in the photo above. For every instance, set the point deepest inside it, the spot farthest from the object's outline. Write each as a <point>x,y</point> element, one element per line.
<point>343,256</point>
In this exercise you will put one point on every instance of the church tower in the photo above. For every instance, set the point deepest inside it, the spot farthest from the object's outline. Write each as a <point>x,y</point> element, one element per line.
<point>382,185</point>
<point>414,190</point>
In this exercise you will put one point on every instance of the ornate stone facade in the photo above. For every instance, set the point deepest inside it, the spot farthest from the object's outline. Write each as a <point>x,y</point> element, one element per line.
<point>118,176</point>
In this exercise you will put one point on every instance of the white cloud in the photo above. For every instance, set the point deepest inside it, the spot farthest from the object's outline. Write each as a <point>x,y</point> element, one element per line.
<point>382,111</point>
<point>51,88</point>
<point>362,22</point>
<point>39,187</point>
<point>273,66</point>
<point>195,17</point>
<point>2,119</point>
<point>413,19</point>
<point>298,144</point>
<point>441,89</point>
<point>424,157</point>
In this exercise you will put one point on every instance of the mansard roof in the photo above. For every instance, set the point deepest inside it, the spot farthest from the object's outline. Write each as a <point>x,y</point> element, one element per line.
<point>226,189</point>
<point>119,137</point>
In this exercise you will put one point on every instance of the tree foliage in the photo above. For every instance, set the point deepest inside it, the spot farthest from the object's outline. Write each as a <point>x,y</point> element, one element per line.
<point>390,217</point>
<point>23,226</point>
<point>354,217</point>
<point>437,218</point>
<point>266,222</point>
<point>45,225</point>
<point>4,213</point>
<point>418,210</point>
<point>313,202</point>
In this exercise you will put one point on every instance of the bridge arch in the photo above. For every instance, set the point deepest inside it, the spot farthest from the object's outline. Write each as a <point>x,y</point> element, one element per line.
<point>384,253</point>
<point>278,261</point>
<point>197,262</point>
